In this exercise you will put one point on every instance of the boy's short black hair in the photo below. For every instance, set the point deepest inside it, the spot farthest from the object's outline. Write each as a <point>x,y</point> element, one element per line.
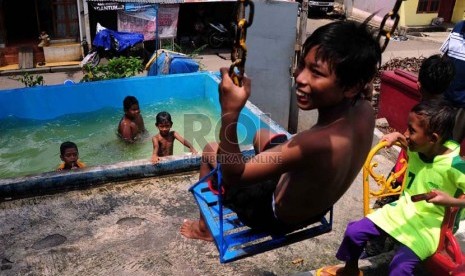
<point>438,117</point>
<point>436,73</point>
<point>350,50</point>
<point>129,101</point>
<point>163,118</point>
<point>67,145</point>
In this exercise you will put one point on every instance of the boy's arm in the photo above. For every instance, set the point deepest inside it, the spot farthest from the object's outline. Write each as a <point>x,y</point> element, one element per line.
<point>264,165</point>
<point>125,132</point>
<point>232,100</point>
<point>155,157</point>
<point>445,199</point>
<point>184,142</point>
<point>394,137</point>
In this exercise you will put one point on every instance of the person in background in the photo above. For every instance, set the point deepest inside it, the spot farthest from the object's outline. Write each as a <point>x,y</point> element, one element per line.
<point>163,142</point>
<point>454,48</point>
<point>69,154</point>
<point>131,127</point>
<point>434,78</point>
<point>44,39</point>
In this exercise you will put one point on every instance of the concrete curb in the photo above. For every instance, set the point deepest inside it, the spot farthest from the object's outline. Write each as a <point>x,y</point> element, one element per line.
<point>41,70</point>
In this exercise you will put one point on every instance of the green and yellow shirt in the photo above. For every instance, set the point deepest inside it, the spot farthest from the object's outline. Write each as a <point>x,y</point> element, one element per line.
<point>417,225</point>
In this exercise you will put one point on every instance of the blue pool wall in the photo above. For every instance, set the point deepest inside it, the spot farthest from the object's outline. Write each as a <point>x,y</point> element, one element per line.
<point>48,102</point>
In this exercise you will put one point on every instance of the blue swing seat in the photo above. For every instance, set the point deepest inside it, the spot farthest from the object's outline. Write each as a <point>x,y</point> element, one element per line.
<point>233,239</point>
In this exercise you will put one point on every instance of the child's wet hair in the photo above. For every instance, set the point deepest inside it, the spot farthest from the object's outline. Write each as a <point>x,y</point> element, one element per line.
<point>350,50</point>
<point>67,145</point>
<point>163,118</point>
<point>436,73</point>
<point>438,117</point>
<point>128,102</point>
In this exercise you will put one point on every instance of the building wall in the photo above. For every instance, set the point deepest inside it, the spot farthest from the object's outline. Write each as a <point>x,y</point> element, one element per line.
<point>408,11</point>
<point>416,19</point>
<point>459,11</point>
<point>384,6</point>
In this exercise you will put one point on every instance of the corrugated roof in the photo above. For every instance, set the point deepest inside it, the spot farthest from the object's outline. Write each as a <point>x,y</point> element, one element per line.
<point>141,1</point>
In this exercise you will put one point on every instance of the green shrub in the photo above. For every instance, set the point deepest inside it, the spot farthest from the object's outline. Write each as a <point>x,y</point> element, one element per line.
<point>30,80</point>
<point>117,68</point>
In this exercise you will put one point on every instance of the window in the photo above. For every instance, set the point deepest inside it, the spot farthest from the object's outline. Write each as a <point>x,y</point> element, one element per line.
<point>65,18</point>
<point>428,6</point>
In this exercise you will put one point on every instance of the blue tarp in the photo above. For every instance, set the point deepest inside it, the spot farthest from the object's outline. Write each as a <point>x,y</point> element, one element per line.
<point>123,40</point>
<point>170,63</point>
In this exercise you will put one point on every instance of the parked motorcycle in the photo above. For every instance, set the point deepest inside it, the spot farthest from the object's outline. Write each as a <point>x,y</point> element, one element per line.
<point>109,44</point>
<point>219,35</point>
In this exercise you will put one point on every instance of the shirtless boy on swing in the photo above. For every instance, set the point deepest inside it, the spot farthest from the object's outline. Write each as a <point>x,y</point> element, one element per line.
<point>316,166</point>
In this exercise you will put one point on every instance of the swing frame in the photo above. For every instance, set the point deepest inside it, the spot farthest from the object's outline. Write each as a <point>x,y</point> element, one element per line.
<point>232,238</point>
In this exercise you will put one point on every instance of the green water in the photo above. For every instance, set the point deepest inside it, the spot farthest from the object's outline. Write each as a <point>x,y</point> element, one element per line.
<point>32,146</point>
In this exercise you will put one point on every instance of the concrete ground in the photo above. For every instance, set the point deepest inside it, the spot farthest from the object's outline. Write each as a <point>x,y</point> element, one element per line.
<point>132,228</point>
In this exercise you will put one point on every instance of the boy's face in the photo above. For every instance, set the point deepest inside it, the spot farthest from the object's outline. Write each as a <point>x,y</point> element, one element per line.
<point>417,138</point>
<point>70,156</point>
<point>133,111</point>
<point>316,85</point>
<point>164,128</point>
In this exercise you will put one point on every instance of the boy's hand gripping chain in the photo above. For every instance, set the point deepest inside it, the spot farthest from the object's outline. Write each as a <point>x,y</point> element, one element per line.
<point>239,51</point>
<point>386,34</point>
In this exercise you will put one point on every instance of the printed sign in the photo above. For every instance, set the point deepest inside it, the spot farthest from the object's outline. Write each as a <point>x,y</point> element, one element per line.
<point>145,21</point>
<point>107,6</point>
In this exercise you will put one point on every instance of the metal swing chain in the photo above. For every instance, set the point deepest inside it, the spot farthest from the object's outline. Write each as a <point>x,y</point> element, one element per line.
<point>386,34</point>
<point>239,51</point>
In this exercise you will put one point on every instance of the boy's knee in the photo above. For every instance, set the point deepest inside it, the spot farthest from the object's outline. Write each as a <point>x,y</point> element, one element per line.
<point>353,231</point>
<point>210,148</point>
<point>261,138</point>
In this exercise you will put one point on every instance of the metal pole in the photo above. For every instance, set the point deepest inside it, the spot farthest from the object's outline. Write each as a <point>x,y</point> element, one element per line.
<point>79,19</point>
<point>38,18</point>
<point>302,32</point>
<point>301,35</point>
<point>156,40</point>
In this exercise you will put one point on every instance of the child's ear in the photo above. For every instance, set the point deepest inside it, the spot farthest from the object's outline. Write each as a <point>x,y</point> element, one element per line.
<point>435,137</point>
<point>352,91</point>
<point>61,157</point>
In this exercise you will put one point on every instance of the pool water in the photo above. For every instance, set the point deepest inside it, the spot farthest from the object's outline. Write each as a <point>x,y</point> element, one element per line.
<point>32,146</point>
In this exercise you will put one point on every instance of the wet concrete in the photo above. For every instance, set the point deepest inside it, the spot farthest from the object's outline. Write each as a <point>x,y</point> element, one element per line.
<point>132,228</point>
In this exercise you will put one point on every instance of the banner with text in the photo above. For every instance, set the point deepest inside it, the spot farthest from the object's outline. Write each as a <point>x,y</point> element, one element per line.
<point>144,20</point>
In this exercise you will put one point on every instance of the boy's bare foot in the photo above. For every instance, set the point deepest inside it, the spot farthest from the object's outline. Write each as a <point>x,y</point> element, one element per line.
<point>191,229</point>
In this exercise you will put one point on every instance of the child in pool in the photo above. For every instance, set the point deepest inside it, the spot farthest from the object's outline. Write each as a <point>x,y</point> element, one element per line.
<point>69,154</point>
<point>164,140</point>
<point>131,127</point>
